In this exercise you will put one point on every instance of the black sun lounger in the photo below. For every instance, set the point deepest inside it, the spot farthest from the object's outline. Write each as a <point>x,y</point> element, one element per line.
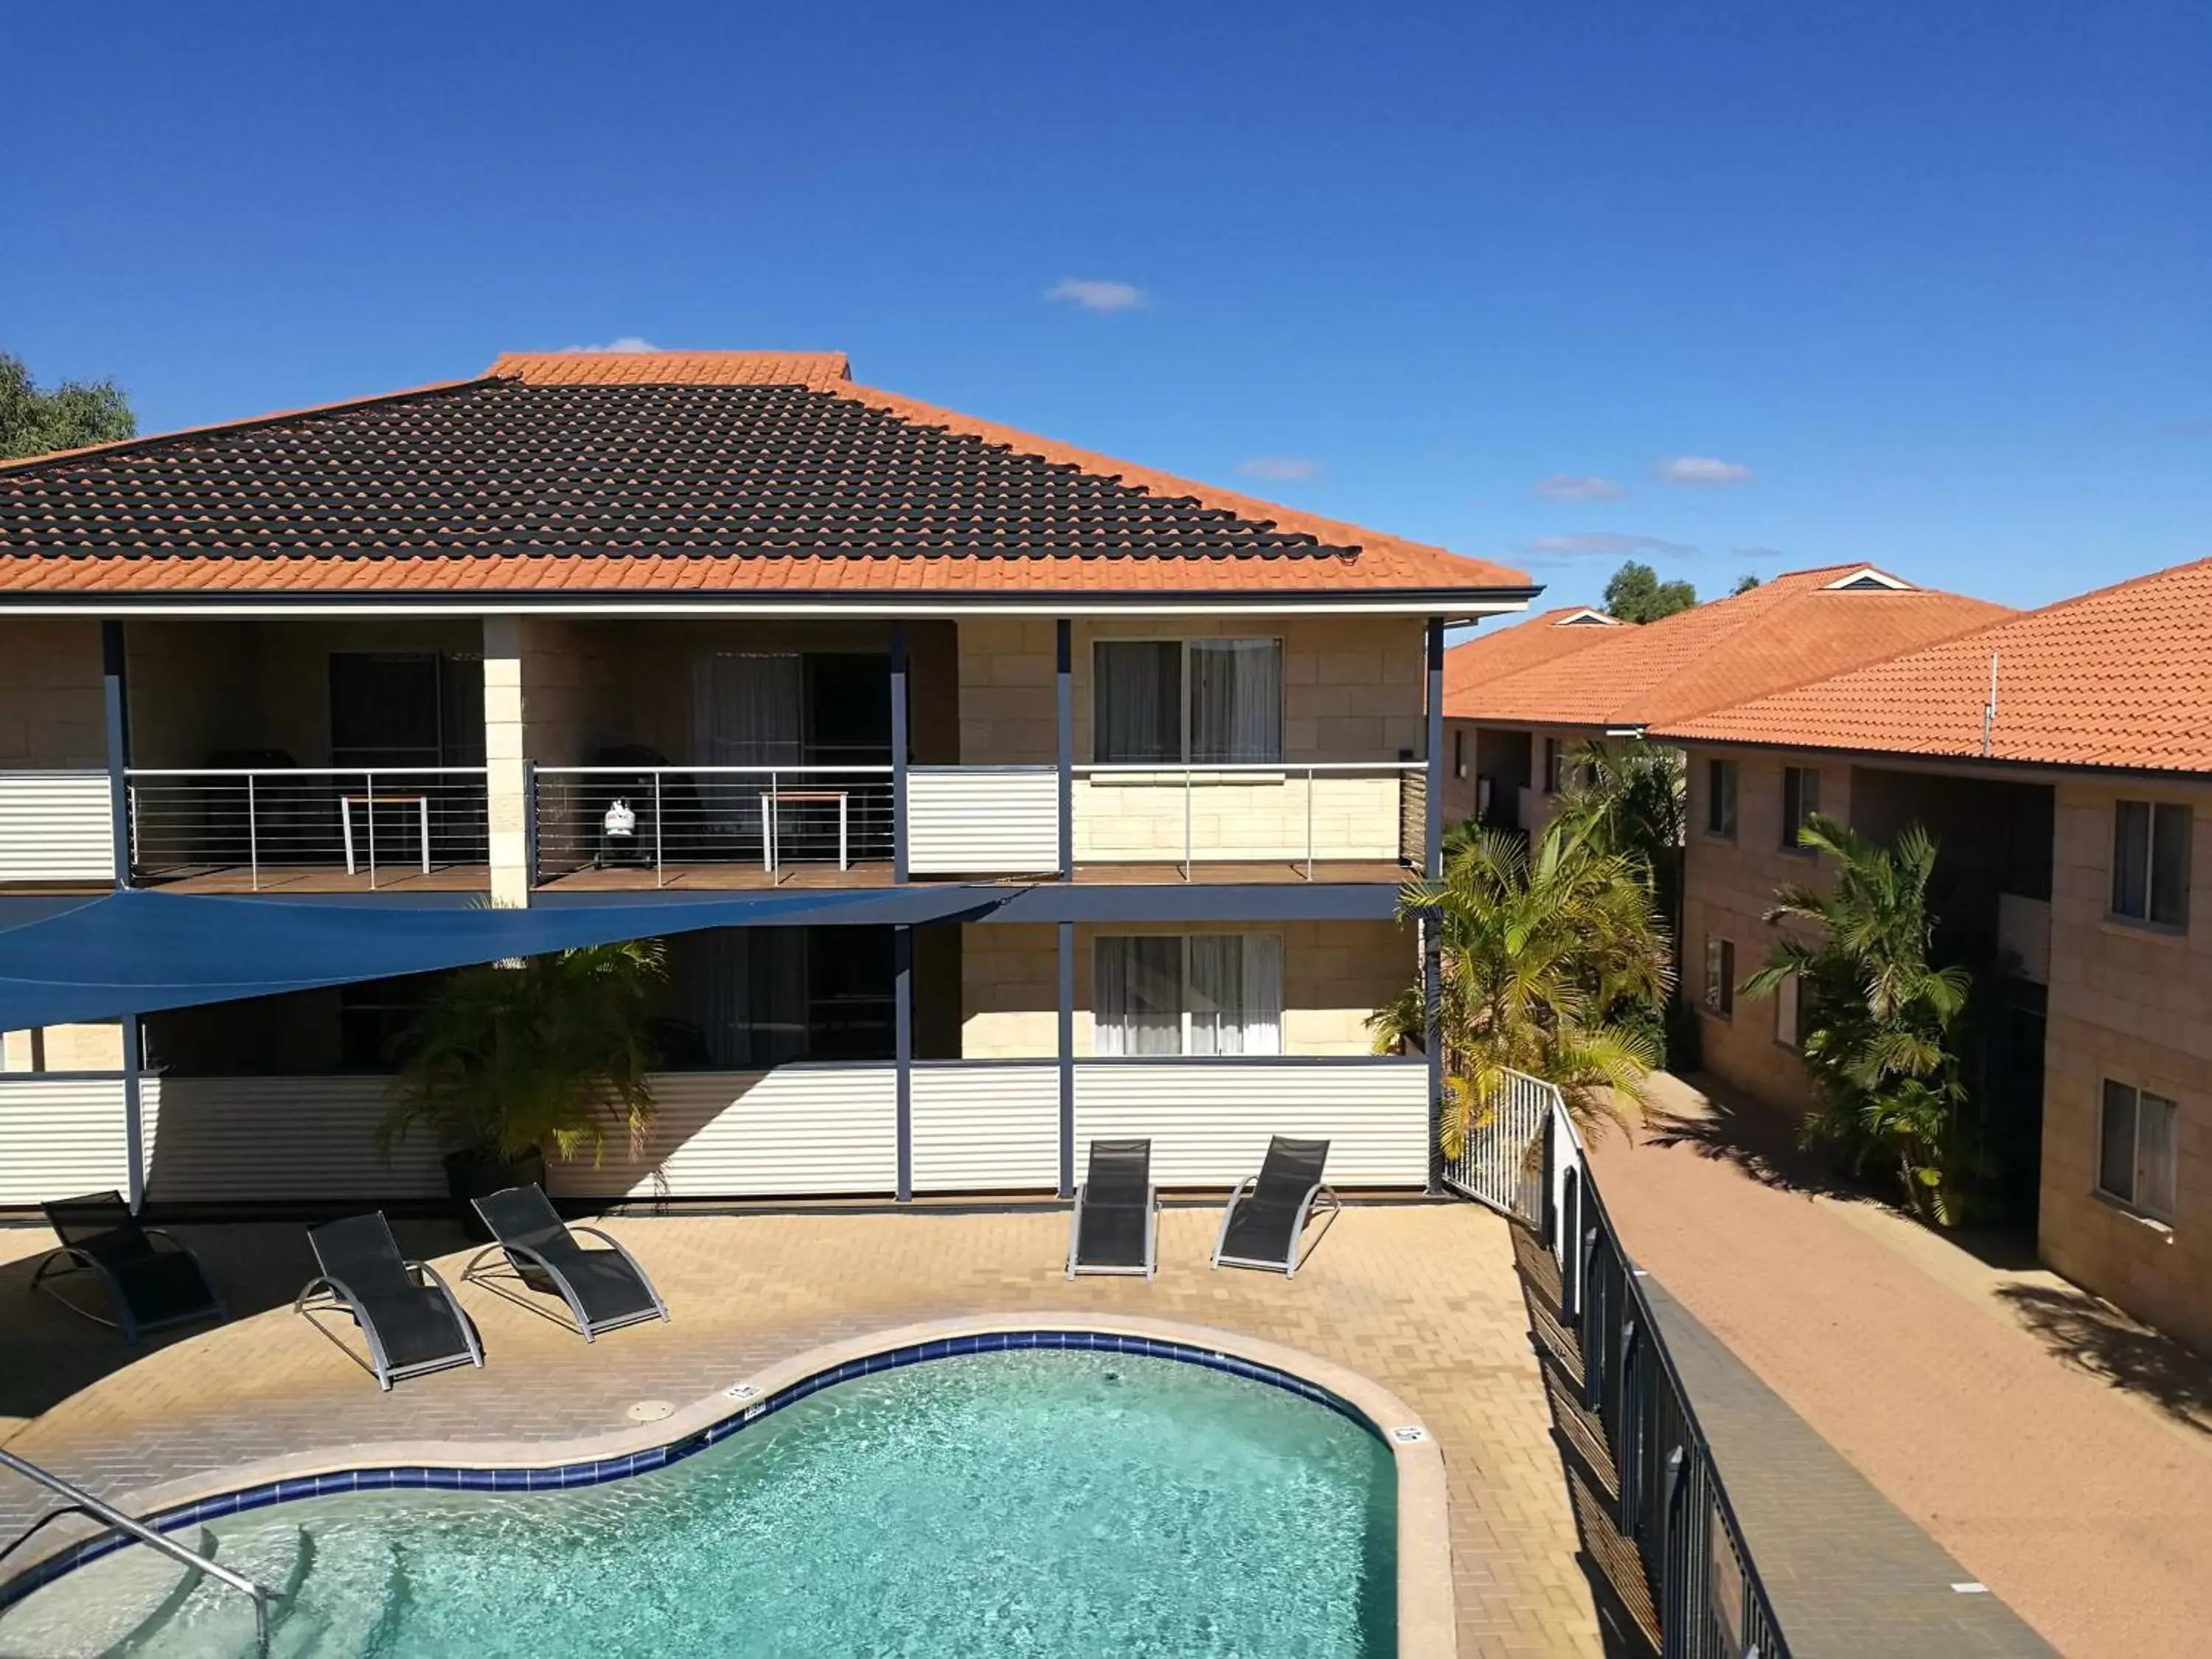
<point>406,1313</point>
<point>1116,1212</point>
<point>1267,1215</point>
<point>606,1290</point>
<point>147,1288</point>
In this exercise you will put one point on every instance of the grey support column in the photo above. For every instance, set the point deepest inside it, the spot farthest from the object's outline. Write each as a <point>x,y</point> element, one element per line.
<point>1433,1044</point>
<point>903,1028</point>
<point>1067,1058</point>
<point>1432,865</point>
<point>118,745</point>
<point>898,751</point>
<point>134,1112</point>
<point>1064,703</point>
<point>112,659</point>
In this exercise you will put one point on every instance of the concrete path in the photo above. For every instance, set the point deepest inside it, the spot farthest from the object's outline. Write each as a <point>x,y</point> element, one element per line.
<point>1423,1298</point>
<point>2051,1445</point>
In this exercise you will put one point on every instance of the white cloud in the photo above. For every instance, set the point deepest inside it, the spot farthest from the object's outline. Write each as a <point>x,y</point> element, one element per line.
<point>1095,294</point>
<point>1702,472</point>
<point>1759,553</point>
<point>1280,469</point>
<point>1566,487</point>
<point>1603,543</point>
<point>620,343</point>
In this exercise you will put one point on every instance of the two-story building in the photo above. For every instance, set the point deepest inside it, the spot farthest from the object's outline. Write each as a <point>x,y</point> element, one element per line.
<point>1138,765</point>
<point>2062,759</point>
<point>1519,701</point>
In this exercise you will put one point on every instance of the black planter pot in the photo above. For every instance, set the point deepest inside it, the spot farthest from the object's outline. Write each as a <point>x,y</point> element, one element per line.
<point>478,1172</point>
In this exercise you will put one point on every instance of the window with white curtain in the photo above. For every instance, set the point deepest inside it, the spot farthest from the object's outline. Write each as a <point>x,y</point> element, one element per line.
<point>1785,1011</point>
<point>1207,701</point>
<point>1189,993</point>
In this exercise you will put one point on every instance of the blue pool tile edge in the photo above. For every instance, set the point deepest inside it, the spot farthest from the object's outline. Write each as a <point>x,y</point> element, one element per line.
<point>597,1471</point>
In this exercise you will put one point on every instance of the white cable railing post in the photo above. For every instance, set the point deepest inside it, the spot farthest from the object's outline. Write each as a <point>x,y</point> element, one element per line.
<point>1188,778</point>
<point>253,837</point>
<point>1310,786</point>
<point>660,845</point>
<point>371,809</point>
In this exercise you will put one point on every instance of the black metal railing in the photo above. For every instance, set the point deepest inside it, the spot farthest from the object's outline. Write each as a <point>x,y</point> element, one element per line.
<point>1705,1589</point>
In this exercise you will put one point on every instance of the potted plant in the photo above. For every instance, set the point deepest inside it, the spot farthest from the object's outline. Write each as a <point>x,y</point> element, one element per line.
<point>510,1061</point>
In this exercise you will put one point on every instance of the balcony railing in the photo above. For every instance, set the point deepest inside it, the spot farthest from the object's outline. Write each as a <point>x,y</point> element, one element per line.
<point>1300,813</point>
<point>376,824</point>
<point>660,819</point>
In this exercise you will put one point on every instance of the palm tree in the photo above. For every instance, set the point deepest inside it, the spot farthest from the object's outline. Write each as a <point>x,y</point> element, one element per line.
<point>1540,945</point>
<point>550,1054</point>
<point>1630,798</point>
<point>1880,1020</point>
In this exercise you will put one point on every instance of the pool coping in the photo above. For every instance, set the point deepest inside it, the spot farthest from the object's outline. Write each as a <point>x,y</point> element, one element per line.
<point>1426,1621</point>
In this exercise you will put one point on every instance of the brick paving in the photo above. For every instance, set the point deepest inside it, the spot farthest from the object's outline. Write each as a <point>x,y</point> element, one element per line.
<point>1423,1298</point>
<point>2079,1494</point>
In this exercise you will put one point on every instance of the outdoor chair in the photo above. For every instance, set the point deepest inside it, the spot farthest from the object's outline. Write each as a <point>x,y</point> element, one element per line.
<point>605,1289</point>
<point>406,1312</point>
<point>1268,1213</point>
<point>148,1286</point>
<point>1115,1227</point>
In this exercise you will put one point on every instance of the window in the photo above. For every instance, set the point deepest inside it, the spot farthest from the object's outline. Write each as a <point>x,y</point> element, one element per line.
<point>2150,862</point>
<point>1720,977</point>
<point>1458,752</point>
<point>1555,767</point>
<point>1800,798</point>
<point>1209,701</point>
<point>2136,1157</point>
<point>1192,993</point>
<point>1785,1011</point>
<point>1720,799</point>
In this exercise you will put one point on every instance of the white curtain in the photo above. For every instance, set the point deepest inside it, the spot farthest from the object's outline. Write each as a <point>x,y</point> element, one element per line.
<point>2154,1154</point>
<point>1137,996</point>
<point>1235,994</point>
<point>748,709</point>
<point>1236,701</point>
<point>1137,700</point>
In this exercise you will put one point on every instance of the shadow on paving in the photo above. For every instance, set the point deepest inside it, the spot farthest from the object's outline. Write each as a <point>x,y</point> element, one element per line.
<point>2095,1337</point>
<point>51,1353</point>
<point>1627,1622</point>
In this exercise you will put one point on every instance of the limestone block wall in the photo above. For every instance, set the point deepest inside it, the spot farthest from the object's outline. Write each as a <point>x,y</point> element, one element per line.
<point>2133,1004</point>
<point>1728,885</point>
<point>52,708</point>
<point>1335,975</point>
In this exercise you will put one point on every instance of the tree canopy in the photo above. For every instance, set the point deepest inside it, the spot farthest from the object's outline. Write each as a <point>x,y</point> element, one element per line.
<point>1744,584</point>
<point>1636,594</point>
<point>70,416</point>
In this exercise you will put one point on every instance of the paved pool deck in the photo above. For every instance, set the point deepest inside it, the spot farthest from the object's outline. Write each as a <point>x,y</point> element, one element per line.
<point>1423,1299</point>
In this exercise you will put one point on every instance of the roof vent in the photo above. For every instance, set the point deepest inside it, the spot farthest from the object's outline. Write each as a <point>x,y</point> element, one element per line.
<point>1866,579</point>
<point>1586,618</point>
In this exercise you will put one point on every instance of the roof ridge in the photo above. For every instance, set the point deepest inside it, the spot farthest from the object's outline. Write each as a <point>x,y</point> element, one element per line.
<point>149,440</point>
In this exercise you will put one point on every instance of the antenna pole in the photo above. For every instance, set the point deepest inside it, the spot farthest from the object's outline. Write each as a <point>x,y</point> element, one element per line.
<point>1989,709</point>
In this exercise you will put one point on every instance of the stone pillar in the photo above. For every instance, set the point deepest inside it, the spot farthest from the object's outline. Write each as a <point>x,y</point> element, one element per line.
<point>505,772</point>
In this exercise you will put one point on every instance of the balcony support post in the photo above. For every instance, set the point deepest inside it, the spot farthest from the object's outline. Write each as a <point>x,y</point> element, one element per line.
<point>112,659</point>
<point>1066,942</point>
<point>507,642</point>
<point>134,1111</point>
<point>1064,706</point>
<point>902,1051</point>
<point>1432,814</point>
<point>1432,1043</point>
<point>898,751</point>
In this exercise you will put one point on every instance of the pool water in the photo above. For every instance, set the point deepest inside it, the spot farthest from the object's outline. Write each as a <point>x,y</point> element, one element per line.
<point>1055,1503</point>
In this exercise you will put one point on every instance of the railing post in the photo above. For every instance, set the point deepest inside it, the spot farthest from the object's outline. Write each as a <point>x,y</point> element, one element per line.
<point>660,868</point>
<point>1432,827</point>
<point>1064,719</point>
<point>1188,776</point>
<point>253,837</point>
<point>370,809</point>
<point>1310,786</point>
<point>529,818</point>
<point>898,752</point>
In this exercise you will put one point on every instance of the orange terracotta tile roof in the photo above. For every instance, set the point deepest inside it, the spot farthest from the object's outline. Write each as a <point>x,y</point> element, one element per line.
<point>822,371</point>
<point>693,473</point>
<point>1799,627</point>
<point>2119,677</point>
<point>1494,655</point>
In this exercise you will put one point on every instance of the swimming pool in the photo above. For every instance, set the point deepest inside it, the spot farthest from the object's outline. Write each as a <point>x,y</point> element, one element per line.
<point>1052,1501</point>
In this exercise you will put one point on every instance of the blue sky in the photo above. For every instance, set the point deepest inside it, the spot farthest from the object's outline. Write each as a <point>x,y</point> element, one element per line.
<point>1930,285</point>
